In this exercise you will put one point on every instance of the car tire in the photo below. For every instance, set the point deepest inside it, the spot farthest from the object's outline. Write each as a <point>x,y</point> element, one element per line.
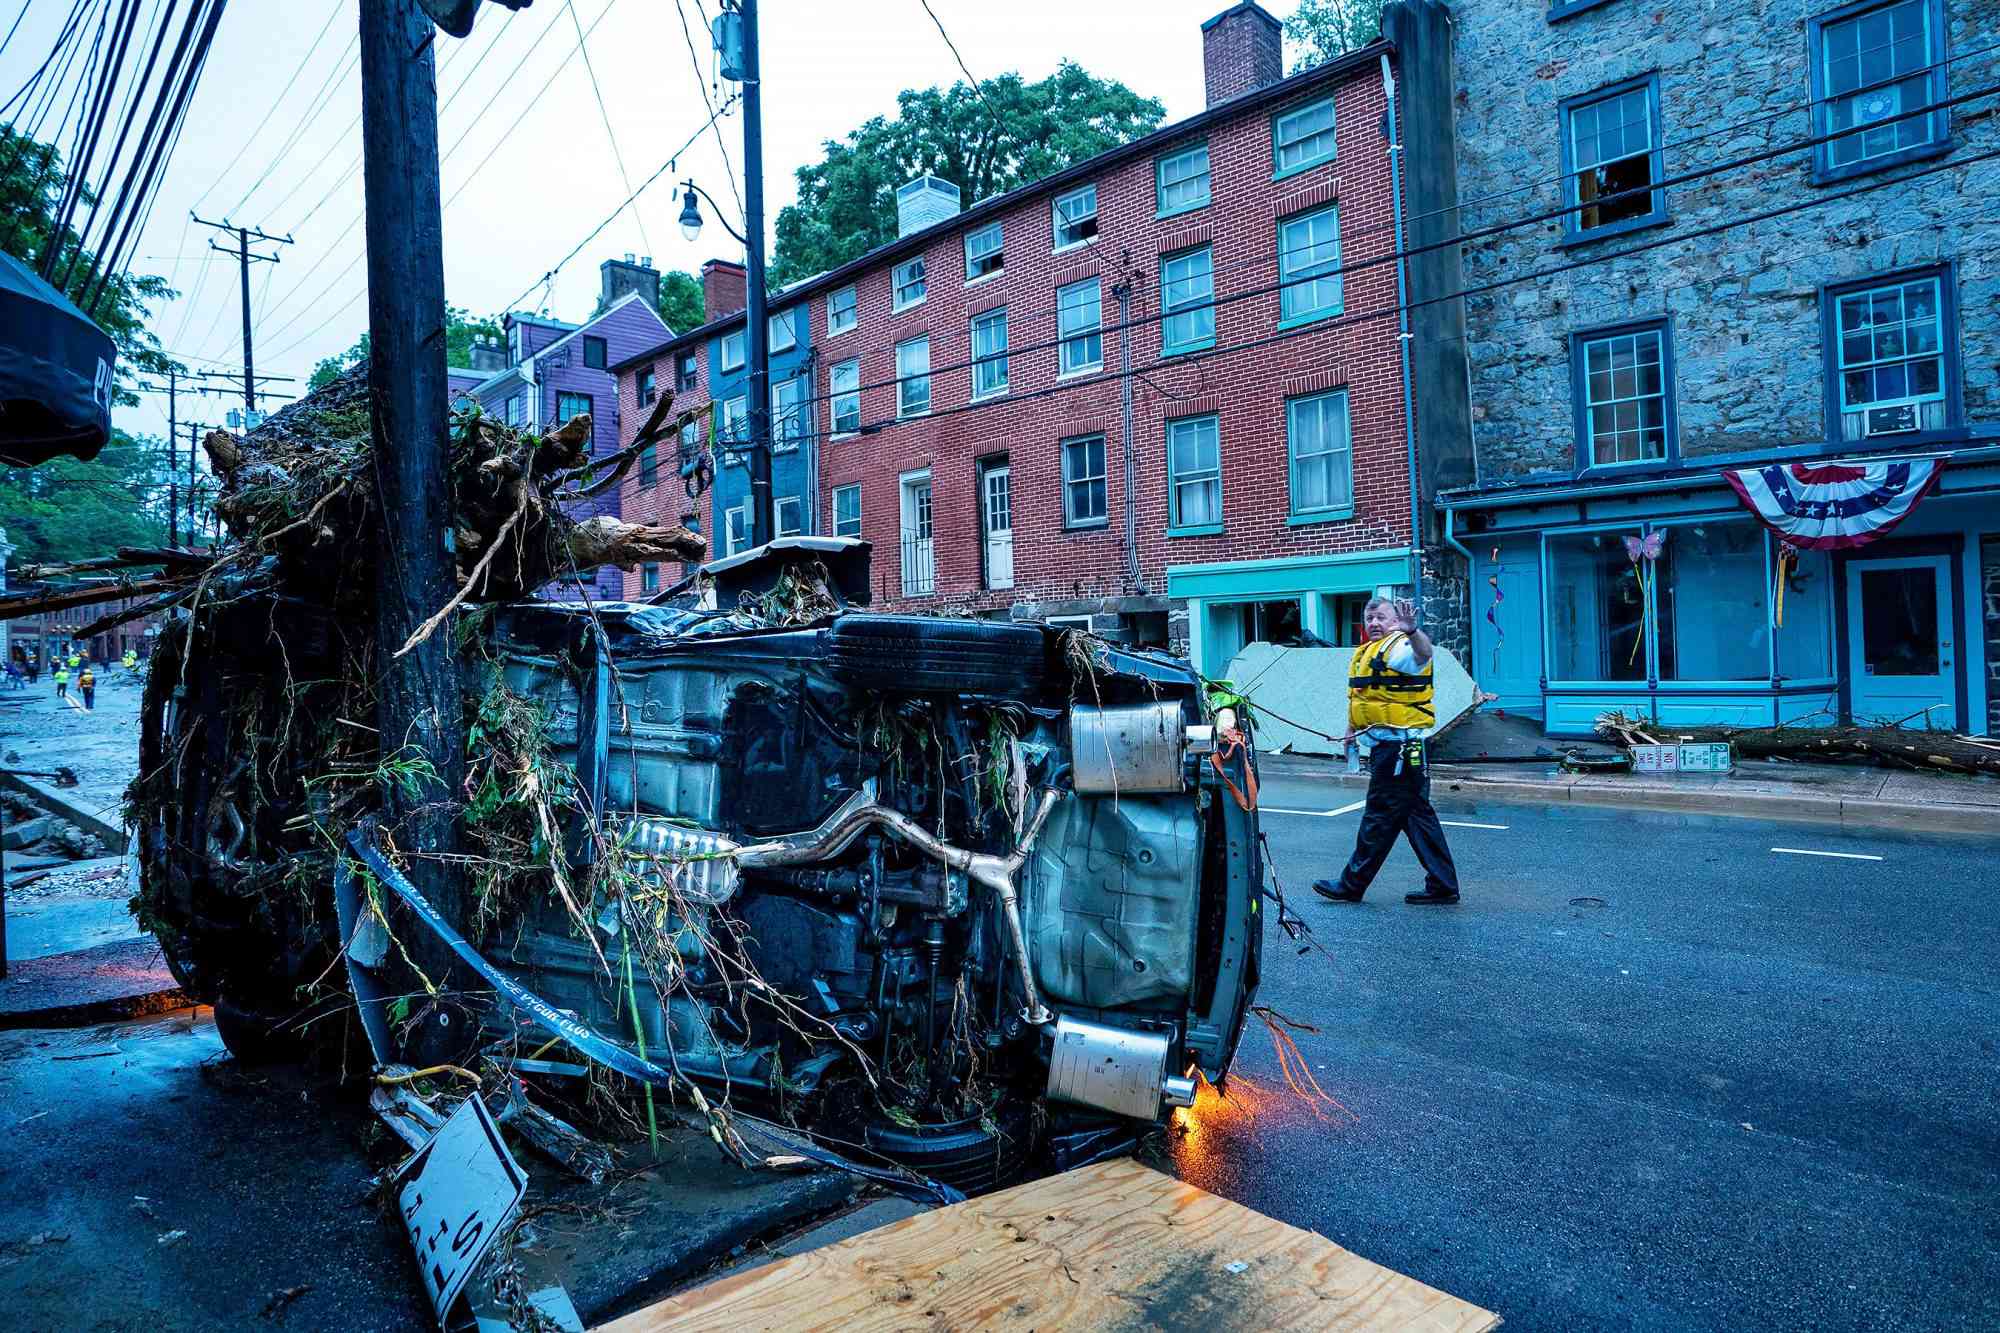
<point>971,1155</point>
<point>926,655</point>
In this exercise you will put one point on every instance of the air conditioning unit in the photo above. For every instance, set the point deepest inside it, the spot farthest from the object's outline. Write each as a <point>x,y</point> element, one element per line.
<point>1890,419</point>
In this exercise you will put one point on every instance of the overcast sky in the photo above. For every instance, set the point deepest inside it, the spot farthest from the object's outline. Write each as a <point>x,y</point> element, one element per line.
<point>528,166</point>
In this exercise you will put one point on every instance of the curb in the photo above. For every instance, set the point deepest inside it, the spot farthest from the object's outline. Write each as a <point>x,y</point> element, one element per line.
<point>1848,812</point>
<point>111,835</point>
<point>105,983</point>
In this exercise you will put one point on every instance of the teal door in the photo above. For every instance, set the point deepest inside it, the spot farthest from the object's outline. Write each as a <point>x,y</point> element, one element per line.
<point>1902,660</point>
<point>1507,649</point>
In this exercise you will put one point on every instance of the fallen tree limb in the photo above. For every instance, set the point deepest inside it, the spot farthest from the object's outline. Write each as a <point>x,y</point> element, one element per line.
<point>1888,747</point>
<point>127,557</point>
<point>63,599</point>
<point>172,597</point>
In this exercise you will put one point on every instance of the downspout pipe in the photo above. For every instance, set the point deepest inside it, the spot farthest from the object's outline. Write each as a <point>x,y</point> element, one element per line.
<point>1403,324</point>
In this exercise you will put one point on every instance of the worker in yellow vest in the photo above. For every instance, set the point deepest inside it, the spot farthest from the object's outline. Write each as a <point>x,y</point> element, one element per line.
<point>62,681</point>
<point>1388,713</point>
<point>130,661</point>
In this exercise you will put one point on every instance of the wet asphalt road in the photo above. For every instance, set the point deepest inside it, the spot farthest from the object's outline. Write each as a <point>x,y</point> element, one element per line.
<point>1649,1074</point>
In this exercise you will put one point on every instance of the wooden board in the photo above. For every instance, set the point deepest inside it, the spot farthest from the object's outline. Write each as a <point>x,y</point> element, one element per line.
<point>1112,1246</point>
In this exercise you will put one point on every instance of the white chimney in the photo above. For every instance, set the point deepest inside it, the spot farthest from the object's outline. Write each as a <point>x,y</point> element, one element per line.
<point>925,202</point>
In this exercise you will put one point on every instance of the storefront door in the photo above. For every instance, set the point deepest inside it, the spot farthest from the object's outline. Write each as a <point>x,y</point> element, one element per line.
<point>1901,651</point>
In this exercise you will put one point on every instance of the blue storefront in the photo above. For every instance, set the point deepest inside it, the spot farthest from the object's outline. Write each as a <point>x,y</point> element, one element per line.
<point>1567,625</point>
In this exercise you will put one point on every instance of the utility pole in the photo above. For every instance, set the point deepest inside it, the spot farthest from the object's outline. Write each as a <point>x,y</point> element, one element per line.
<point>173,452</point>
<point>245,257</point>
<point>756,318</point>
<point>420,701</point>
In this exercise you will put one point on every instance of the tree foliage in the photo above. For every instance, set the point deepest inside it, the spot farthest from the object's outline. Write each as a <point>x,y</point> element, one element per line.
<point>680,301</point>
<point>71,510</point>
<point>460,328</point>
<point>32,180</point>
<point>1323,29</point>
<point>1007,133</point>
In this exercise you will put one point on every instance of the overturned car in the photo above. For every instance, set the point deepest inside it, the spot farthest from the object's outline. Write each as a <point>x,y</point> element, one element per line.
<point>934,891</point>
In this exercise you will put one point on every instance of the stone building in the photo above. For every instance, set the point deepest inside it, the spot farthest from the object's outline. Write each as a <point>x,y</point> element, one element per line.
<point>1759,235</point>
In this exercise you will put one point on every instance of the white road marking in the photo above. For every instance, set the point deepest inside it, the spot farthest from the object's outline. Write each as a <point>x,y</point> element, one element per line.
<point>1320,814</point>
<point>1845,856</point>
<point>1461,823</point>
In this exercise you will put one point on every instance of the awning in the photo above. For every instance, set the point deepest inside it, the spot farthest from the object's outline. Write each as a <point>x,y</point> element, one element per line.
<point>1835,505</point>
<point>55,372</point>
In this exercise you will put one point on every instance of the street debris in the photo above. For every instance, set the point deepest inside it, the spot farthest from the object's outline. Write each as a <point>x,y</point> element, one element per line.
<point>1885,746</point>
<point>820,886</point>
<point>168,1239</point>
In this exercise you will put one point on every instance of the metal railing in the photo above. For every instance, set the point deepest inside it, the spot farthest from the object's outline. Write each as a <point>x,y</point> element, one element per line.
<point>919,566</point>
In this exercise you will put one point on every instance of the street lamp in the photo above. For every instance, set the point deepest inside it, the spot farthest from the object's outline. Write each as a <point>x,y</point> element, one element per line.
<point>691,213</point>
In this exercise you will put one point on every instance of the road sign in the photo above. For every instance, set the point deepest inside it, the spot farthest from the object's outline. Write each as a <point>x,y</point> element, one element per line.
<point>464,1186</point>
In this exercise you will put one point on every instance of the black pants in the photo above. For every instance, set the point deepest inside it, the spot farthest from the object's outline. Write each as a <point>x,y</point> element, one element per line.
<point>89,698</point>
<point>1399,803</point>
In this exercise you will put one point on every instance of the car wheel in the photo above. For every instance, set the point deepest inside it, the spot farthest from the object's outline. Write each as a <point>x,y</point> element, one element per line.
<point>973,1155</point>
<point>911,654</point>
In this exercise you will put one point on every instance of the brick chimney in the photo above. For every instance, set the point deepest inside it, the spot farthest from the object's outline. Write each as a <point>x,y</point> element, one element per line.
<point>725,289</point>
<point>620,278</point>
<point>1241,52</point>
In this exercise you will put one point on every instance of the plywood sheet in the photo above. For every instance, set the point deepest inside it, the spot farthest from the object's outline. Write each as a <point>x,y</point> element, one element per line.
<point>1112,1246</point>
<point>1308,687</point>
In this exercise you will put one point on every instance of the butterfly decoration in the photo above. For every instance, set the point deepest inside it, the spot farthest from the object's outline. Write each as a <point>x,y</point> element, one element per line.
<point>1642,552</point>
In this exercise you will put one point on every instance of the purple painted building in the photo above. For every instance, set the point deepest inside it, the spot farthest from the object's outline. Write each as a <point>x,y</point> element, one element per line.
<point>548,371</point>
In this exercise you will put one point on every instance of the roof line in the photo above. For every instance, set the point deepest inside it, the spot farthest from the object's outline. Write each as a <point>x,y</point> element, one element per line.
<point>1357,59</point>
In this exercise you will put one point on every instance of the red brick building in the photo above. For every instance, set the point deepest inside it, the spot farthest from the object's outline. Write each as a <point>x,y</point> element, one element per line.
<point>970,413</point>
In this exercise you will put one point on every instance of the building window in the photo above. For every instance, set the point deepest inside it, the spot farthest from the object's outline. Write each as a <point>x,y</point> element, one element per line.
<point>1075,217</point>
<point>847,511</point>
<point>690,438</point>
<point>1187,297</point>
<point>686,370</point>
<point>1322,455</point>
<point>989,353</point>
<point>1562,9</point>
<point>1622,378</point>
<point>1079,316</point>
<point>1194,474</point>
<point>1302,137</point>
<point>843,386</point>
<point>736,529</point>
<point>571,405</point>
<point>732,351</point>
<point>1596,608</point>
<point>512,411</point>
<point>1612,158</point>
<point>649,578</point>
<point>983,257</point>
<point>1309,267</point>
<point>1871,64</point>
<point>649,467</point>
<point>840,311</point>
<point>1889,347</point>
<point>648,388</point>
<point>913,377</point>
<point>788,419</point>
<point>1084,502</point>
<point>1709,591</point>
<point>736,419</point>
<point>1180,180</point>
<point>909,283</point>
<point>594,354</point>
<point>786,514</point>
<point>784,337</point>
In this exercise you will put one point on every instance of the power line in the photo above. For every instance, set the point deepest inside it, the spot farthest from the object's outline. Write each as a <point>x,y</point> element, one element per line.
<point>1395,308</point>
<point>333,12</point>
<point>990,108</point>
<point>604,112</point>
<point>1481,233</point>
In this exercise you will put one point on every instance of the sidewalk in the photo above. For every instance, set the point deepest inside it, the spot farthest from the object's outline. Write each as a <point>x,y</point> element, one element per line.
<point>1848,795</point>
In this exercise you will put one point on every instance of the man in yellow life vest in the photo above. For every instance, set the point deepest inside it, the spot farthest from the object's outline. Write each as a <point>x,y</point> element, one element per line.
<point>1388,712</point>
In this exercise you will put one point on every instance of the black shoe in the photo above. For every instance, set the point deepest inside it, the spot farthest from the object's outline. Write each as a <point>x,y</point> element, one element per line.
<point>1428,899</point>
<point>1332,892</point>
